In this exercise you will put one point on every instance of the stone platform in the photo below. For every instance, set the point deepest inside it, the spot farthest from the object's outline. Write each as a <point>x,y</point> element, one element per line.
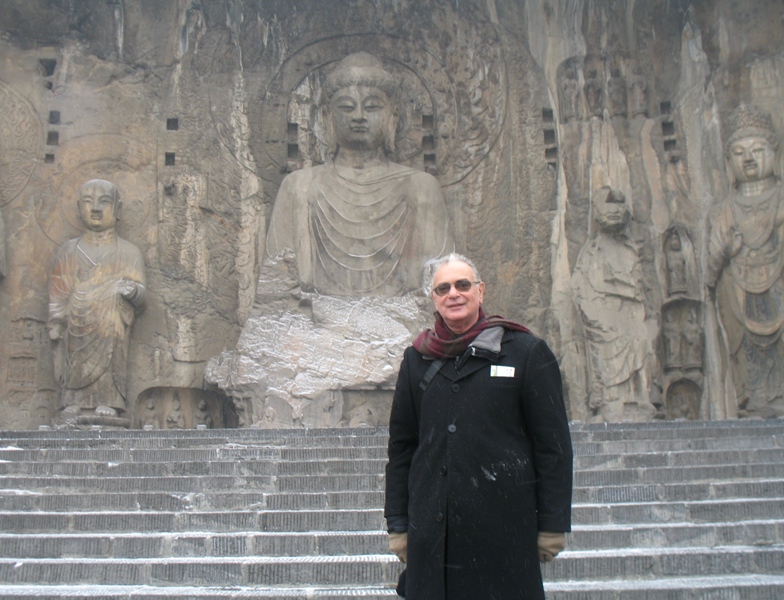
<point>672,510</point>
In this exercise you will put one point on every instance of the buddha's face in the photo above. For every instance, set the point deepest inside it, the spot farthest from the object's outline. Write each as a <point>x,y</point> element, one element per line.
<point>610,210</point>
<point>752,159</point>
<point>98,206</point>
<point>361,116</point>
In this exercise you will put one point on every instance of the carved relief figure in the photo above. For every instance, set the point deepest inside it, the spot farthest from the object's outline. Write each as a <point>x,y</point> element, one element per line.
<point>676,264</point>
<point>746,263</point>
<point>639,93</point>
<point>361,224</point>
<point>616,94</point>
<point>594,94</point>
<point>570,93</point>
<point>3,263</point>
<point>607,290</point>
<point>96,289</point>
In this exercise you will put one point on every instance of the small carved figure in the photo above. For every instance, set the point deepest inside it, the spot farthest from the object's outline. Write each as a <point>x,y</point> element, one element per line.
<point>361,224</point>
<point>175,419</point>
<point>746,263</point>
<point>570,94</point>
<point>607,289</point>
<point>203,414</point>
<point>676,264</point>
<point>97,288</point>
<point>149,419</point>
<point>594,94</point>
<point>692,341</point>
<point>3,267</point>
<point>616,95</point>
<point>639,89</point>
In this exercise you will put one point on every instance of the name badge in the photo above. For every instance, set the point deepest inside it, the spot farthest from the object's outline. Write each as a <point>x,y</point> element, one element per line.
<point>498,371</point>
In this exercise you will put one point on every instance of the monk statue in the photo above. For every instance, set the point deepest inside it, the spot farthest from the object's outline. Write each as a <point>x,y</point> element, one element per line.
<point>746,262</point>
<point>3,263</point>
<point>607,286</point>
<point>96,290</point>
<point>360,225</point>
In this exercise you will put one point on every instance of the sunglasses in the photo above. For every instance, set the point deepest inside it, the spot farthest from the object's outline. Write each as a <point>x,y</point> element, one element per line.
<point>461,285</point>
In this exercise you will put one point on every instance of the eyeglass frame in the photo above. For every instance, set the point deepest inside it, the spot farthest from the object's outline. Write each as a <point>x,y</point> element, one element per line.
<point>454,284</point>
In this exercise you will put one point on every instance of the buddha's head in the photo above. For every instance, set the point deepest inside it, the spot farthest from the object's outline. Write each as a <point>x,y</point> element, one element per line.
<point>99,205</point>
<point>752,145</point>
<point>361,105</point>
<point>611,211</point>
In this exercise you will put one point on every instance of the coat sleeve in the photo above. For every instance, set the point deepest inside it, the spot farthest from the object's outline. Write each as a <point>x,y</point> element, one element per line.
<point>403,442</point>
<point>548,428</point>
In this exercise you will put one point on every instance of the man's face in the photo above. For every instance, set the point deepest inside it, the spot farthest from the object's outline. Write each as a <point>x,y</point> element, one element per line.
<point>360,115</point>
<point>611,211</point>
<point>460,310</point>
<point>97,207</point>
<point>752,159</point>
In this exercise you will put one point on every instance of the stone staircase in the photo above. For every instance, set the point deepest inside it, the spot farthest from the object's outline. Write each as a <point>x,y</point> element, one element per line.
<point>676,510</point>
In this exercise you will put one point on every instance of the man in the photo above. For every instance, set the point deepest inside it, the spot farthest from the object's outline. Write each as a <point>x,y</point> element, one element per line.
<point>96,289</point>
<point>479,479</point>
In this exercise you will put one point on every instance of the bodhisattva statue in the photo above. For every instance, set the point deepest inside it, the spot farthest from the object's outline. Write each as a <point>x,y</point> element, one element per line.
<point>3,266</point>
<point>607,290</point>
<point>96,290</point>
<point>361,224</point>
<point>746,260</point>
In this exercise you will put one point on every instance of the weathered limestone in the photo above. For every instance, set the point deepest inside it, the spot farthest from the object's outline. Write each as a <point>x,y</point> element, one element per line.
<point>506,116</point>
<point>96,289</point>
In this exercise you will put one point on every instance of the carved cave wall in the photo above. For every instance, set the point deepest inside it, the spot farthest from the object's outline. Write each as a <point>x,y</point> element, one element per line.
<point>197,110</point>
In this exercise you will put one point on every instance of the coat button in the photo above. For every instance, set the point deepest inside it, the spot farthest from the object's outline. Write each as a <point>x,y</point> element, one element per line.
<point>439,517</point>
<point>451,428</point>
<point>455,387</point>
<point>443,470</point>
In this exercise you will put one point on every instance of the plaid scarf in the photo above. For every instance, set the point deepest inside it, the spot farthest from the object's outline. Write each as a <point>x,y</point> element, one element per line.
<point>440,342</point>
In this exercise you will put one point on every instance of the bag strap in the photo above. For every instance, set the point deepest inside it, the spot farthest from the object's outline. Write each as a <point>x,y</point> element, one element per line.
<point>430,374</point>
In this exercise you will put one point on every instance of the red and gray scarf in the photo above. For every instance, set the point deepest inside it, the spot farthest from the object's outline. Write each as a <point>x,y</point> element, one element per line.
<point>441,342</point>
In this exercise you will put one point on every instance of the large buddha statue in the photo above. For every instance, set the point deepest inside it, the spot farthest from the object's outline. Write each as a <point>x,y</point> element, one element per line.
<point>746,263</point>
<point>96,289</point>
<point>339,294</point>
<point>607,286</point>
<point>361,224</point>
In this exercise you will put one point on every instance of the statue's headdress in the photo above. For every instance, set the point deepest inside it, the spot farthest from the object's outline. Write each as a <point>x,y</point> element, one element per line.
<point>746,121</point>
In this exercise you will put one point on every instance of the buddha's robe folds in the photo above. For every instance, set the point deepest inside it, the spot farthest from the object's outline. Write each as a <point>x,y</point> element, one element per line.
<point>360,232</point>
<point>95,321</point>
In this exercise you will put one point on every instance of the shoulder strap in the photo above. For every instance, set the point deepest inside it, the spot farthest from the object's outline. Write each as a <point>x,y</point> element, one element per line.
<point>434,368</point>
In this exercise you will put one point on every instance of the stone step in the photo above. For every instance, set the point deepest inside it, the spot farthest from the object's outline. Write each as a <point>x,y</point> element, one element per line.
<point>372,569</point>
<point>185,544</point>
<point>597,564</point>
<point>727,587</point>
<point>50,500</point>
<point>736,587</point>
<point>252,543</point>
<point>148,592</point>
<point>221,521</point>
<point>375,569</point>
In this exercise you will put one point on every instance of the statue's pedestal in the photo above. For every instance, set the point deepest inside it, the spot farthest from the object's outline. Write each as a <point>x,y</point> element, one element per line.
<point>332,364</point>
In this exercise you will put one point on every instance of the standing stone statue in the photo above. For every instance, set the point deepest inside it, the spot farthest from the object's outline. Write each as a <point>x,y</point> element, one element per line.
<point>746,263</point>
<point>607,289</point>
<point>361,224</point>
<point>3,263</point>
<point>96,290</point>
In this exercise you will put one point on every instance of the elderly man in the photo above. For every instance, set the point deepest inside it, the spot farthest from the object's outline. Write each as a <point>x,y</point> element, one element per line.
<point>96,289</point>
<point>479,479</point>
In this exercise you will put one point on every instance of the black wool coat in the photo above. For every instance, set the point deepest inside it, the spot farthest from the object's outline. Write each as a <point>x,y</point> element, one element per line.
<point>479,464</point>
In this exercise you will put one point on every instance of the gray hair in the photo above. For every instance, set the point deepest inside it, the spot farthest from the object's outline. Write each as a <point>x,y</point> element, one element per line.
<point>433,264</point>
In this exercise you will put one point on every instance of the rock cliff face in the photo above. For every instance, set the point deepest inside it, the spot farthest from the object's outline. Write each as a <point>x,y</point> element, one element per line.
<point>197,111</point>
